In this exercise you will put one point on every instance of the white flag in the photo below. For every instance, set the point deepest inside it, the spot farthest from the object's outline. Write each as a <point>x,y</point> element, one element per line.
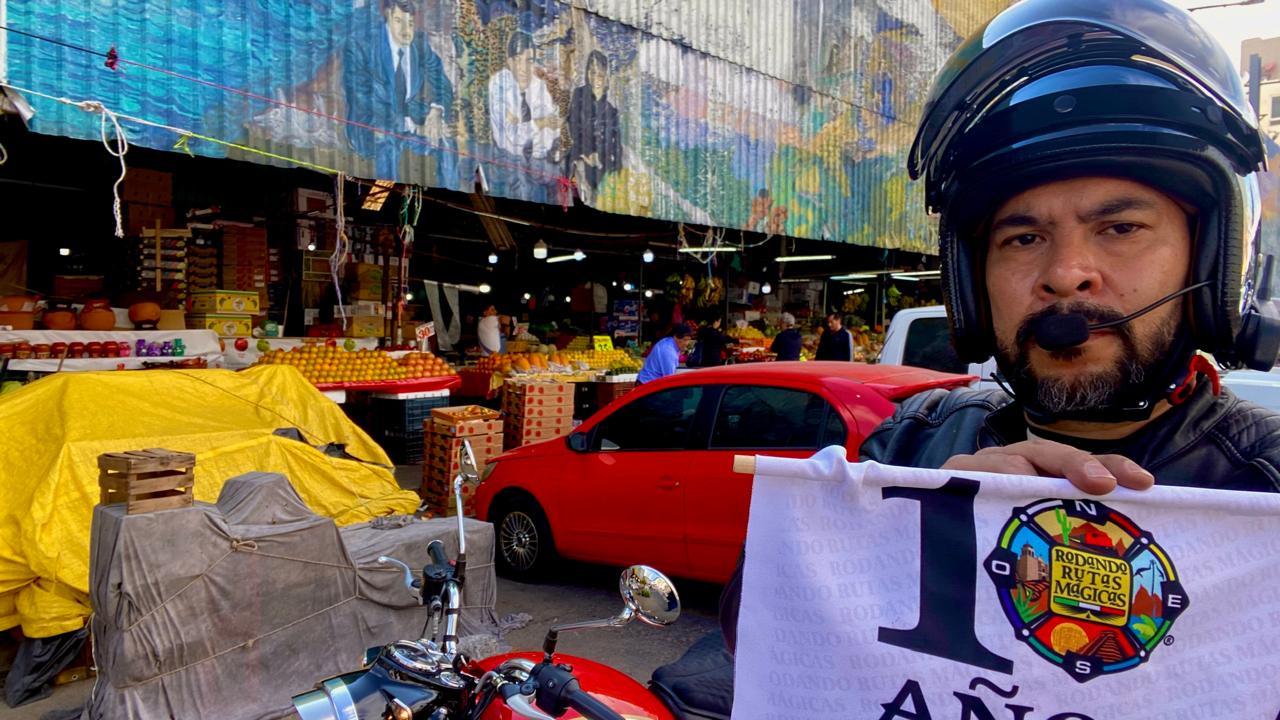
<point>880,592</point>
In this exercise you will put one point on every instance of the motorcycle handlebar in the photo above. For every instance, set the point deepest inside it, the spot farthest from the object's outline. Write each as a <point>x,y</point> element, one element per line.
<point>436,550</point>
<point>587,705</point>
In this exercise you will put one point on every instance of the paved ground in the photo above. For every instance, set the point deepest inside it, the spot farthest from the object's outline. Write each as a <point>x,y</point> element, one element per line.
<point>580,592</point>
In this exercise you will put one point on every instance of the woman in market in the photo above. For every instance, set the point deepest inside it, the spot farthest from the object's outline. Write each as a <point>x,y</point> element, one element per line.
<point>711,344</point>
<point>489,332</point>
<point>787,343</point>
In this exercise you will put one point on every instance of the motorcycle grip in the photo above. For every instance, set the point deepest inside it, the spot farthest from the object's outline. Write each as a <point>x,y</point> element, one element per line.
<point>587,705</point>
<point>436,550</point>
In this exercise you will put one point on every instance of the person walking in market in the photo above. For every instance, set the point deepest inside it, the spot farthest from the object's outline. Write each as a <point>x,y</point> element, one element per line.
<point>1121,188</point>
<point>709,351</point>
<point>664,357</point>
<point>837,342</point>
<point>786,344</point>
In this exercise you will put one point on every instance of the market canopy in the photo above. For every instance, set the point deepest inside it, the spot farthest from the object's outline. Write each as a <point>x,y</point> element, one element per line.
<point>791,117</point>
<point>56,428</point>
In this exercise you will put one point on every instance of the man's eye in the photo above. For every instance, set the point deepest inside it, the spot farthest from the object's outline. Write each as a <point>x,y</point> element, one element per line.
<point>1020,240</point>
<point>1122,229</point>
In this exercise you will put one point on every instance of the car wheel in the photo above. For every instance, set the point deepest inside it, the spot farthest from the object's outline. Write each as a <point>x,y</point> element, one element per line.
<point>524,547</point>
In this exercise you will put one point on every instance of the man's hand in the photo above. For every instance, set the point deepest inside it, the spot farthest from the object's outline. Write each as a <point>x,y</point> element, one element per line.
<point>1093,474</point>
<point>547,122</point>
<point>433,127</point>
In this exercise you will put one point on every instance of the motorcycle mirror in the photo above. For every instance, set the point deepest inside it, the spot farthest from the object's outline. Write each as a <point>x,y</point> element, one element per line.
<point>650,595</point>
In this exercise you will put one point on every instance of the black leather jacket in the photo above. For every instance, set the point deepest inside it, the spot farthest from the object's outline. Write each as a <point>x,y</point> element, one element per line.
<point>1219,442</point>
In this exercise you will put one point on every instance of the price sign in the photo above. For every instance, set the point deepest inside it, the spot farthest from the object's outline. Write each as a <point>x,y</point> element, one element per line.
<point>424,331</point>
<point>602,342</point>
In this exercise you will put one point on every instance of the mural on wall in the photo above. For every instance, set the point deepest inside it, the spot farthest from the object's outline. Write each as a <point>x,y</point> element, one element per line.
<point>784,116</point>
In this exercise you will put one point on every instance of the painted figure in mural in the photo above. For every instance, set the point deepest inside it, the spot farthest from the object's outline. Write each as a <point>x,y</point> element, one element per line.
<point>594,127</point>
<point>524,118</point>
<point>396,83</point>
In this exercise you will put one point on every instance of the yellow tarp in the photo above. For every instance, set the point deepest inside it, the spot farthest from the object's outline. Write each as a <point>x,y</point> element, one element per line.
<point>52,432</point>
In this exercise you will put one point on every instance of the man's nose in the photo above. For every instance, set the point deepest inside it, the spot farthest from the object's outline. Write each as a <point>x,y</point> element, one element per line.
<point>1070,268</point>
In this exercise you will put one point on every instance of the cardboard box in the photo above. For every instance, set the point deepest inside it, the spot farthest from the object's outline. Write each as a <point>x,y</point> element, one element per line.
<point>524,403</point>
<point>224,325</point>
<point>226,302</point>
<point>538,411</point>
<point>469,428</point>
<point>521,423</point>
<point>517,438</point>
<point>366,273</point>
<point>363,326</point>
<point>485,447</point>
<point>551,389</point>
<point>367,292</point>
<point>463,413</point>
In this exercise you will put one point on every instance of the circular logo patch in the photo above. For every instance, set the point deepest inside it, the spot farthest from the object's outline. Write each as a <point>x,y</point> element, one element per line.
<point>1084,586</point>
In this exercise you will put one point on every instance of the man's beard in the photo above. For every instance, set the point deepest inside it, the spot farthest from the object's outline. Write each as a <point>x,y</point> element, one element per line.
<point>1103,386</point>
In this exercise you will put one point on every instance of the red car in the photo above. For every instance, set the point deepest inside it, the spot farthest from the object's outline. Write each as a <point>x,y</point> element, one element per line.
<point>649,478</point>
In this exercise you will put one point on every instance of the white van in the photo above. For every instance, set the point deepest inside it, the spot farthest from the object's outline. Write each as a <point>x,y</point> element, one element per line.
<point>922,337</point>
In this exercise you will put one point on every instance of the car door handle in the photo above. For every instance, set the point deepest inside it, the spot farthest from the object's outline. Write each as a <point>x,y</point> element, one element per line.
<point>666,482</point>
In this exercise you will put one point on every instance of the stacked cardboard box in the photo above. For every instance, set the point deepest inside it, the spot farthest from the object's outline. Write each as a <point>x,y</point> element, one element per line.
<point>536,411</point>
<point>227,312</point>
<point>247,261</point>
<point>444,434</point>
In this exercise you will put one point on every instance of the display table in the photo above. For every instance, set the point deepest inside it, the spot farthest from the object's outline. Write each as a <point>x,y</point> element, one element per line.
<point>202,344</point>
<point>398,387</point>
<point>238,359</point>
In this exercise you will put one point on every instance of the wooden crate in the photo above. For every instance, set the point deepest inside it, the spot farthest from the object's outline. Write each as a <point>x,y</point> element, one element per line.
<point>147,480</point>
<point>462,413</point>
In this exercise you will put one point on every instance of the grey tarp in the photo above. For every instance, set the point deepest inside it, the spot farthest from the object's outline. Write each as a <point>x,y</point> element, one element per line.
<point>227,610</point>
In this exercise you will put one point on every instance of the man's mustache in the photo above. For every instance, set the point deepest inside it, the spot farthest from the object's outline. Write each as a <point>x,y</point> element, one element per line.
<point>1092,313</point>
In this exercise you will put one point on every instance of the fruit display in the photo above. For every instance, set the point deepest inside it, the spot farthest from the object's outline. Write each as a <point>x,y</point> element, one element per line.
<point>700,292</point>
<point>619,361</point>
<point>324,365</point>
<point>747,333</point>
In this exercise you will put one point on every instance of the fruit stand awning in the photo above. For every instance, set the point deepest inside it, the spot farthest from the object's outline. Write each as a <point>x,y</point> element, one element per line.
<point>56,428</point>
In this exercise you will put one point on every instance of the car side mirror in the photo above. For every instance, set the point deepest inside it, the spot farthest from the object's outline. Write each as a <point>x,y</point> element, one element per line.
<point>578,441</point>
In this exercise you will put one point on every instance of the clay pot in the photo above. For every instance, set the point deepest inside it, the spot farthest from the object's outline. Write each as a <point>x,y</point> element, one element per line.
<point>144,315</point>
<point>18,303</point>
<point>97,315</point>
<point>60,319</point>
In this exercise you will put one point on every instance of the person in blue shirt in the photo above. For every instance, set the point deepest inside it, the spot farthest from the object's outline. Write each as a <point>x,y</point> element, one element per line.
<point>665,355</point>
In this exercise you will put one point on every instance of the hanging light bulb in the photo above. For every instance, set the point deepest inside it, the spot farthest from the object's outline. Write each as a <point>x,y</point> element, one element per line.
<point>64,252</point>
<point>766,288</point>
<point>579,255</point>
<point>568,299</point>
<point>486,288</point>
<point>493,258</point>
<point>311,246</point>
<point>648,293</point>
<point>648,255</point>
<point>408,297</point>
<point>540,250</point>
<point>628,287</point>
<point>527,297</point>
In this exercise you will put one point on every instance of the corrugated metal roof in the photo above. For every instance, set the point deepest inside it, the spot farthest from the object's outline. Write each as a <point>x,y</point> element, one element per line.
<point>790,116</point>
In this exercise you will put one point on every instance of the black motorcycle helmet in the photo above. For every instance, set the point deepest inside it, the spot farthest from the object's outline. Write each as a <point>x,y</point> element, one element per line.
<point>1054,89</point>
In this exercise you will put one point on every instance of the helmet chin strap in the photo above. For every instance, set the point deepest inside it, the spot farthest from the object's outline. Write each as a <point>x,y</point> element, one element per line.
<point>1166,380</point>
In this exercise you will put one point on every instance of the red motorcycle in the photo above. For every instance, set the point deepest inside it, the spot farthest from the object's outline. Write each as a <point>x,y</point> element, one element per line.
<point>429,679</point>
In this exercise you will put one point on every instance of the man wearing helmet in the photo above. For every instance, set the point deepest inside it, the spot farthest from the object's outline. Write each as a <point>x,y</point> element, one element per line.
<point>1094,168</point>
<point>1093,164</point>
